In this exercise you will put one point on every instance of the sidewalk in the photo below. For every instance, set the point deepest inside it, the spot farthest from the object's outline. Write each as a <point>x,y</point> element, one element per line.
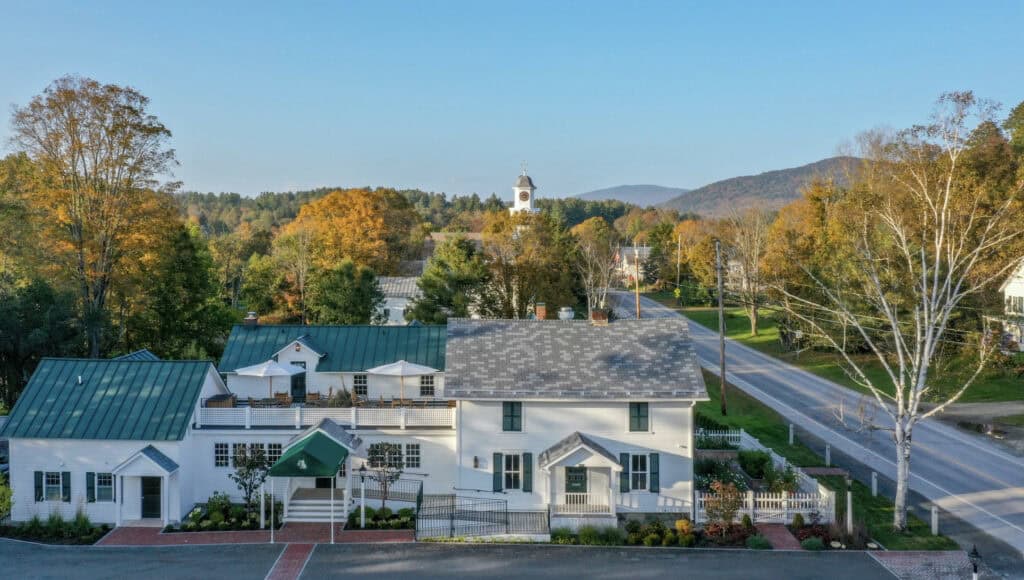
<point>306,533</point>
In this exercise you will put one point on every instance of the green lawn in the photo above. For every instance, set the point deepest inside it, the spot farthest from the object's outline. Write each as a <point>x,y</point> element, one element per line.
<point>745,412</point>
<point>876,514</point>
<point>990,387</point>
<point>1013,420</point>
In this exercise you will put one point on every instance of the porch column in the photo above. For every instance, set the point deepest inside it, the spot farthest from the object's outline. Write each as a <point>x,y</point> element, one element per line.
<point>165,498</point>
<point>287,490</point>
<point>334,483</point>
<point>263,506</point>
<point>552,492</point>
<point>348,485</point>
<point>120,497</point>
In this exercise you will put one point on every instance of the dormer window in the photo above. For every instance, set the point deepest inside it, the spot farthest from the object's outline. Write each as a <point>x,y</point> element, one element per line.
<point>298,346</point>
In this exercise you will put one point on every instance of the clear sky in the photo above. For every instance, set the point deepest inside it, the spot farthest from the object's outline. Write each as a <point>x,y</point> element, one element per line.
<point>452,96</point>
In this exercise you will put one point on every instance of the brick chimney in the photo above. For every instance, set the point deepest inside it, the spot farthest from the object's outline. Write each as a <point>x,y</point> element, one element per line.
<point>251,319</point>
<point>541,311</point>
<point>599,317</point>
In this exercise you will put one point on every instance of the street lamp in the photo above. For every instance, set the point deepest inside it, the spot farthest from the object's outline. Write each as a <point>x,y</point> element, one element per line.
<point>362,496</point>
<point>975,559</point>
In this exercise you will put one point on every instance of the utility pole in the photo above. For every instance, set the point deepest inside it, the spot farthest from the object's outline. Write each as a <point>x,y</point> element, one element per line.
<point>721,322</point>
<point>636,277</point>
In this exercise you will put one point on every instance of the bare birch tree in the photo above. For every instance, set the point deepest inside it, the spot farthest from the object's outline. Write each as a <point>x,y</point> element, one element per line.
<point>925,226</point>
<point>747,242</point>
<point>595,262</point>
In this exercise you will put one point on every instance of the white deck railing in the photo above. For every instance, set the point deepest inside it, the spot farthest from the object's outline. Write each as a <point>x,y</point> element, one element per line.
<point>582,503</point>
<point>298,417</point>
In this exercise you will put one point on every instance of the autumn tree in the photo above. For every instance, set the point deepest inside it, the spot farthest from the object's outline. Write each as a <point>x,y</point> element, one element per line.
<point>746,242</point>
<point>596,247</point>
<point>933,219</point>
<point>451,284</point>
<point>293,253</point>
<point>529,259</point>
<point>99,154</point>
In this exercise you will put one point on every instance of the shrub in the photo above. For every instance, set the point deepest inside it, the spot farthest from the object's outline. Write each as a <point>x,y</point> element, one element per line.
<point>633,539</point>
<point>407,513</point>
<point>633,527</point>
<point>755,463</point>
<point>237,512</point>
<point>169,528</point>
<point>781,480</point>
<point>654,526</point>
<point>370,513</point>
<point>723,503</point>
<point>589,536</point>
<point>709,423</point>
<point>55,526</point>
<point>397,524</point>
<point>798,521</point>
<point>196,515</point>
<point>382,514</point>
<point>687,540</point>
<point>223,526</point>
<point>206,525</point>
<point>709,442</point>
<point>670,539</point>
<point>34,528</point>
<point>562,536</point>
<point>216,517</point>
<point>245,525</point>
<point>218,502</point>
<point>612,536</point>
<point>813,544</point>
<point>684,526</point>
<point>746,522</point>
<point>191,526</point>
<point>651,540</point>
<point>758,542</point>
<point>81,526</point>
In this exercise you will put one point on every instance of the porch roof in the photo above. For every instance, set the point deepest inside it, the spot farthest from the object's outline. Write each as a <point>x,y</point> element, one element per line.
<point>567,446</point>
<point>316,455</point>
<point>157,457</point>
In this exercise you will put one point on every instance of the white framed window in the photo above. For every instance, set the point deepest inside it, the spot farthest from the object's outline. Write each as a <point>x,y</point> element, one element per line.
<point>104,487</point>
<point>52,486</point>
<point>412,455</point>
<point>273,452</point>
<point>220,454</point>
<point>427,385</point>
<point>236,450</point>
<point>638,472</point>
<point>513,471</point>
<point>359,385</point>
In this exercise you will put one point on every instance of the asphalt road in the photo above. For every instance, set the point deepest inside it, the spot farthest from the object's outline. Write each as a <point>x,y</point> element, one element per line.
<point>964,475</point>
<point>427,561</point>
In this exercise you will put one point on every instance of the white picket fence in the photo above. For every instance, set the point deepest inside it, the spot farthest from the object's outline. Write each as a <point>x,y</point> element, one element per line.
<point>768,507</point>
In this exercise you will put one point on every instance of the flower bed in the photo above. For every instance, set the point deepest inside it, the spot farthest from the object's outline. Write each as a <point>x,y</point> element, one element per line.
<point>707,471</point>
<point>220,515</point>
<point>384,519</point>
<point>56,530</point>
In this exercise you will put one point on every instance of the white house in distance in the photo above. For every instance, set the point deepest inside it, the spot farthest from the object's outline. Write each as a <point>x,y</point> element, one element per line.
<point>576,421</point>
<point>629,263</point>
<point>398,292</point>
<point>1013,306</point>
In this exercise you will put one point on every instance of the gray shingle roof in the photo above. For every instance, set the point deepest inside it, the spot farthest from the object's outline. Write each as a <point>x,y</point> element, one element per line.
<point>399,286</point>
<point>334,430</point>
<point>571,359</point>
<point>524,181</point>
<point>165,463</point>
<point>570,444</point>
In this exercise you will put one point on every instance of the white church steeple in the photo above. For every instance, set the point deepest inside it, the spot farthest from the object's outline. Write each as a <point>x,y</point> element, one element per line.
<point>523,194</point>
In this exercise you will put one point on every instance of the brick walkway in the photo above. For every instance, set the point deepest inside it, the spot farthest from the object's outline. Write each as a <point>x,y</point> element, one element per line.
<point>925,565</point>
<point>291,562</point>
<point>306,533</point>
<point>779,536</point>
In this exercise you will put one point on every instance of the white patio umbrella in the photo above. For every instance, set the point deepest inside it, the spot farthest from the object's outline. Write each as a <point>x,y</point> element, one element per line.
<point>402,369</point>
<point>270,369</point>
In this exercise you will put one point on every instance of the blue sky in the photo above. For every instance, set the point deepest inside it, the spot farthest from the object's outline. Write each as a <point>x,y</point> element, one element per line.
<point>452,96</point>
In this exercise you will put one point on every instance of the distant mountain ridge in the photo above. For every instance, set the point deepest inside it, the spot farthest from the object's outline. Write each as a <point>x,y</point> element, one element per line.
<point>771,189</point>
<point>641,195</point>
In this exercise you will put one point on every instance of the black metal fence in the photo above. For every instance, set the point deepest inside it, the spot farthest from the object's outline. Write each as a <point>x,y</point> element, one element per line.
<point>452,516</point>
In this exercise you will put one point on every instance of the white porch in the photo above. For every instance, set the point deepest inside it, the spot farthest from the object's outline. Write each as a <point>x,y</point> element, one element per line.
<point>581,477</point>
<point>147,489</point>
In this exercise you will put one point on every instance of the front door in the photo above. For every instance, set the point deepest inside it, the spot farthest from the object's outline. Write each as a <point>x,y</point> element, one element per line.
<point>151,497</point>
<point>575,480</point>
<point>299,384</point>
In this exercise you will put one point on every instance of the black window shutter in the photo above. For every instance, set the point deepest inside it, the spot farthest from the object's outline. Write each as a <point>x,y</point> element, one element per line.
<point>528,472</point>
<point>499,477</point>
<point>506,416</point>
<point>624,475</point>
<point>90,486</point>
<point>39,485</point>
<point>65,486</point>
<point>655,484</point>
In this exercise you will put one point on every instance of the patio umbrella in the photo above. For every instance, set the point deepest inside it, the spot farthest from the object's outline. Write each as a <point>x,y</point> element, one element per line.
<point>402,369</point>
<point>270,369</point>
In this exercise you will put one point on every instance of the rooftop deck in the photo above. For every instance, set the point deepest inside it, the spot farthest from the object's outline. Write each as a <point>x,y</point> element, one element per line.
<point>297,417</point>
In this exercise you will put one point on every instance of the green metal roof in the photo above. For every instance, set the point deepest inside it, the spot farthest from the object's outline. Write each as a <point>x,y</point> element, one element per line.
<point>141,354</point>
<point>314,456</point>
<point>346,348</point>
<point>117,399</point>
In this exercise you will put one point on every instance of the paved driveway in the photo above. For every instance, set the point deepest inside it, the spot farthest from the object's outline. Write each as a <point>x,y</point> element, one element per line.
<point>426,561</point>
<point>966,476</point>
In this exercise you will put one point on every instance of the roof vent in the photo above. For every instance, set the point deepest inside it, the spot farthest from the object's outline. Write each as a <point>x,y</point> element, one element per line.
<point>566,313</point>
<point>251,319</point>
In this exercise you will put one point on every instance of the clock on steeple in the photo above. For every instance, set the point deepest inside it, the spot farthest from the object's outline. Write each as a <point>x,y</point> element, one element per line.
<point>523,200</point>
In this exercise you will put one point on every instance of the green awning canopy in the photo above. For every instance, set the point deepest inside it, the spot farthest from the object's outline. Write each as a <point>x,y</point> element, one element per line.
<point>314,456</point>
